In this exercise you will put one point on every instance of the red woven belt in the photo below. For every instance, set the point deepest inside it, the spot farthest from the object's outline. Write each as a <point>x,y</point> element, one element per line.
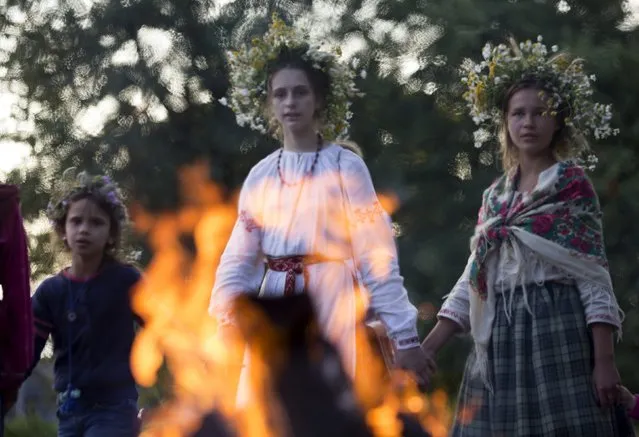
<point>295,265</point>
<point>292,266</point>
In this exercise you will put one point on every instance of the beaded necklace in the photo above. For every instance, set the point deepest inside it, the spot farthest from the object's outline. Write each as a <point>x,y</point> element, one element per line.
<point>320,142</point>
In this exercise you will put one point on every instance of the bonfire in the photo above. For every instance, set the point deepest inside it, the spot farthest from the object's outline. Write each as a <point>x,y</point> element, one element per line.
<point>297,376</point>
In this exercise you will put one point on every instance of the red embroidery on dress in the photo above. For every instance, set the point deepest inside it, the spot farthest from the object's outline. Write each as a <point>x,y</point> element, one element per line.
<point>249,223</point>
<point>368,214</point>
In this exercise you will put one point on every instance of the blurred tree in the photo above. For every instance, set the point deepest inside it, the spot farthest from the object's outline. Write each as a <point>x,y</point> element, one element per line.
<point>129,87</point>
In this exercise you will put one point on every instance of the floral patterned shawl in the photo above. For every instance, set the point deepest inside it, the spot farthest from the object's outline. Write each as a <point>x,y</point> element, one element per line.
<point>560,220</point>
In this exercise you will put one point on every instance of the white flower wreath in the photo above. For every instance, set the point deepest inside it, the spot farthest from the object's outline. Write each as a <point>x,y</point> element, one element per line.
<point>504,65</point>
<point>248,76</point>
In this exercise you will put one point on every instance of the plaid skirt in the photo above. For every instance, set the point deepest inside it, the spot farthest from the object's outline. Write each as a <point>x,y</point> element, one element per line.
<point>541,368</point>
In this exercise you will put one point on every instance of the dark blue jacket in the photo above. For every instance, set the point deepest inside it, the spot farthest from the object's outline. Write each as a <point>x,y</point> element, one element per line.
<point>93,327</point>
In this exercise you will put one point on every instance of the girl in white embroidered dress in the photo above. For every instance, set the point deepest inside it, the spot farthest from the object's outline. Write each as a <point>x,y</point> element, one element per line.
<point>310,222</point>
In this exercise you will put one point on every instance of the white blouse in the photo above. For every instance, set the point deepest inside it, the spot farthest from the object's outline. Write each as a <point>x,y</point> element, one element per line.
<point>318,215</point>
<point>596,299</point>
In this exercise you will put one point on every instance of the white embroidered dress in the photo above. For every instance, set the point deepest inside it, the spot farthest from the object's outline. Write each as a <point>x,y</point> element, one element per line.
<point>318,215</point>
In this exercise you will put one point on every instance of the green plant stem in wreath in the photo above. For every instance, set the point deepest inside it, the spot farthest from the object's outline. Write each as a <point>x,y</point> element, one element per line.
<point>249,75</point>
<point>568,91</point>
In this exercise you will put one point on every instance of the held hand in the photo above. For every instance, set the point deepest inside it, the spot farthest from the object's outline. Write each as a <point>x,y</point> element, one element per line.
<point>418,362</point>
<point>607,381</point>
<point>431,358</point>
<point>626,398</point>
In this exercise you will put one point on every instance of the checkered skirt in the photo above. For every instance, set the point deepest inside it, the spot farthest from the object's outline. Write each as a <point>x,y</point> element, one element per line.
<point>541,369</point>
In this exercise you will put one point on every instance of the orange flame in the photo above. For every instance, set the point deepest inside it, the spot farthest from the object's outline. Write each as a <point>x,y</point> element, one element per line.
<point>173,299</point>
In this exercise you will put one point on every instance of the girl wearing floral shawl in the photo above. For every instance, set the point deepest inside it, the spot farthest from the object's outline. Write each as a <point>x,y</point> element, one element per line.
<point>536,295</point>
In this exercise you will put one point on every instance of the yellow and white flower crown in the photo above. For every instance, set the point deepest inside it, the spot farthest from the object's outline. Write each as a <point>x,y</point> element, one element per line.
<point>503,66</point>
<point>249,80</point>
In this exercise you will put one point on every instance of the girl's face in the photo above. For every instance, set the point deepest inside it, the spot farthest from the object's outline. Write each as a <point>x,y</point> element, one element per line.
<point>530,125</point>
<point>87,229</point>
<point>293,101</point>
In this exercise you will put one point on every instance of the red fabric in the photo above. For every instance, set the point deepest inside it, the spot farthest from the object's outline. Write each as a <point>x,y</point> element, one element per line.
<point>293,266</point>
<point>16,317</point>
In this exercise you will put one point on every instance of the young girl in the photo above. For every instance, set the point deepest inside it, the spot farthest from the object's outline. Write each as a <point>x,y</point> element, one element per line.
<point>309,219</point>
<point>86,309</point>
<point>536,294</point>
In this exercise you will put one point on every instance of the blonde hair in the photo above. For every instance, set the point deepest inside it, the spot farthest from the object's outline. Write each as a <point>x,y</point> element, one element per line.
<point>564,143</point>
<point>350,145</point>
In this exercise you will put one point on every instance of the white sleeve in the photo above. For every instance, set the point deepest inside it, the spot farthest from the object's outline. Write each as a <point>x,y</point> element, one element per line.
<point>376,254</point>
<point>600,305</point>
<point>456,307</point>
<point>241,263</point>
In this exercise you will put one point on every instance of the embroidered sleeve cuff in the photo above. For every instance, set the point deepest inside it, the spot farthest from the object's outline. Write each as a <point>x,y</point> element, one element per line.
<point>406,340</point>
<point>221,313</point>
<point>606,318</point>
<point>456,317</point>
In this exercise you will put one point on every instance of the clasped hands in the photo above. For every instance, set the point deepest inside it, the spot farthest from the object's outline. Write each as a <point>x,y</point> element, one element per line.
<point>419,361</point>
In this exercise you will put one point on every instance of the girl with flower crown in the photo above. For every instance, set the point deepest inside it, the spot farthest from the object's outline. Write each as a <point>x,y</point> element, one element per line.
<point>86,309</point>
<point>309,218</point>
<point>536,294</point>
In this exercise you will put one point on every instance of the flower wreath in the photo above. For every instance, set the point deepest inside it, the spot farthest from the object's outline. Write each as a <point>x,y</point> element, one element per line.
<point>489,81</point>
<point>249,75</point>
<point>103,187</point>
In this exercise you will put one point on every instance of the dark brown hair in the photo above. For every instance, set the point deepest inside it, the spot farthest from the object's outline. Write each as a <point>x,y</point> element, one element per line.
<point>319,80</point>
<point>115,222</point>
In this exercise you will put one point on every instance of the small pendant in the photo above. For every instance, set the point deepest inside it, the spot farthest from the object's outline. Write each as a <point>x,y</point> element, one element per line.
<point>71,316</point>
